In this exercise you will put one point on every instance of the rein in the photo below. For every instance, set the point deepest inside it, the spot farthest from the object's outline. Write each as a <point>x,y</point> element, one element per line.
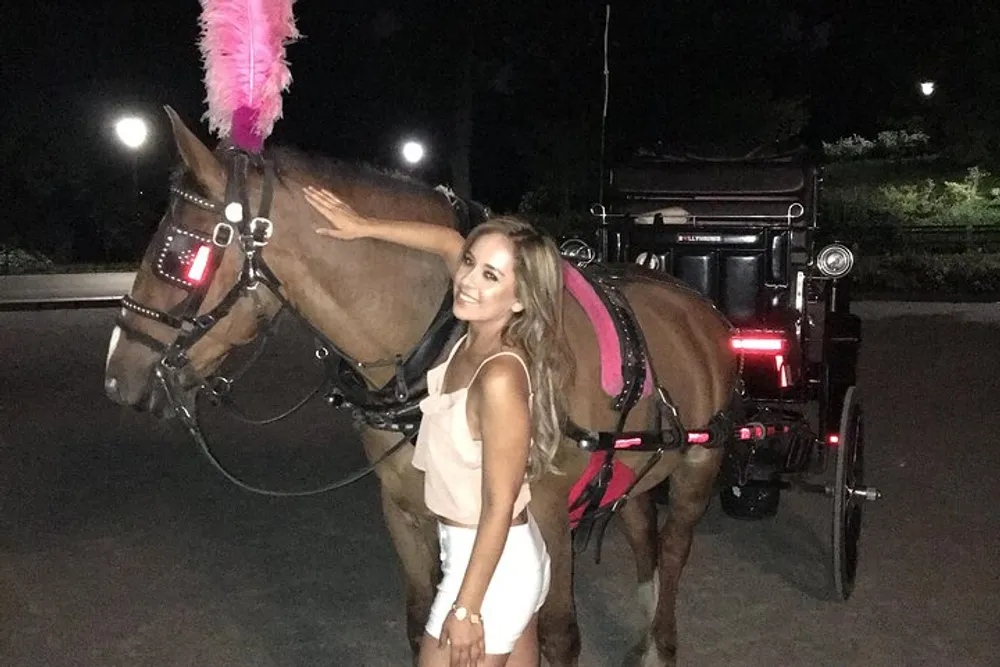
<point>190,422</point>
<point>394,407</point>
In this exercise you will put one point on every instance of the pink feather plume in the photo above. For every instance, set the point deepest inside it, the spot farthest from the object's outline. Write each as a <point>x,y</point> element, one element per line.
<point>243,48</point>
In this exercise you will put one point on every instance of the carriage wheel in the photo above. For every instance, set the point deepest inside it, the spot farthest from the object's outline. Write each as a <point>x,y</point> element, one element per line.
<point>849,494</point>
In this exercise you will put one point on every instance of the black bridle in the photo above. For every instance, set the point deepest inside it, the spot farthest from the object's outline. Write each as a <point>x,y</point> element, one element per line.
<point>394,407</point>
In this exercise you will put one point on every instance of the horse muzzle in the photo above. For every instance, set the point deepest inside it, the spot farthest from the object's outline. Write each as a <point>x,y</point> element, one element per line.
<point>162,393</point>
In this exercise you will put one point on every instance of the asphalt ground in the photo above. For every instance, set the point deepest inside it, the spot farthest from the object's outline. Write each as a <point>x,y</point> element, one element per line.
<point>121,546</point>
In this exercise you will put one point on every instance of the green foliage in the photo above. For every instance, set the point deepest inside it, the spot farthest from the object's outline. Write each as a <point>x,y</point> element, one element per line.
<point>889,143</point>
<point>909,200</point>
<point>869,201</point>
<point>915,274</point>
<point>15,260</point>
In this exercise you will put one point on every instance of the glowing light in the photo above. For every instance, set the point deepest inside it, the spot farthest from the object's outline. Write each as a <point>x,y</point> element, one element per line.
<point>927,88</point>
<point>625,443</point>
<point>132,131</point>
<point>833,440</point>
<point>783,373</point>
<point>196,273</point>
<point>413,152</point>
<point>759,343</point>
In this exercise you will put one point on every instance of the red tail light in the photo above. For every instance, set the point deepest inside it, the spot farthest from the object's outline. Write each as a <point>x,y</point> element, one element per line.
<point>196,272</point>
<point>759,343</point>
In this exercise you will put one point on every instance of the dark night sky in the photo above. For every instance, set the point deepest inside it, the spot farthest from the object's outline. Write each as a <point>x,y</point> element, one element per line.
<point>370,71</point>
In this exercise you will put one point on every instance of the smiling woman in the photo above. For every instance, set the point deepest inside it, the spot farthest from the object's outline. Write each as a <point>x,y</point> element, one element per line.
<point>491,425</point>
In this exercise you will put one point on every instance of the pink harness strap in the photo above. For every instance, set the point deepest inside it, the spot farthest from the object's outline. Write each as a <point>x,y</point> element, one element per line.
<point>611,382</point>
<point>621,478</point>
<point>604,327</point>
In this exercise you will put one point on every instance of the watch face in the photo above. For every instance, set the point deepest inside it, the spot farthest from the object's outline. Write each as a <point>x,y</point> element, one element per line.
<point>461,613</point>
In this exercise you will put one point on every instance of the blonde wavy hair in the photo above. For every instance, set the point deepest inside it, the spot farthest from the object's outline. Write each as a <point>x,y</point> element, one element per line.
<point>538,331</point>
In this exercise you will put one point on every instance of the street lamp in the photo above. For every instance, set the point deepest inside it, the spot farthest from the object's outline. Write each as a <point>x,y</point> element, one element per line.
<point>132,132</point>
<point>927,88</point>
<point>413,152</point>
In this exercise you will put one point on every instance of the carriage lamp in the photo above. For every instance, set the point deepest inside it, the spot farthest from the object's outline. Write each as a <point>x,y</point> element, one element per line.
<point>835,261</point>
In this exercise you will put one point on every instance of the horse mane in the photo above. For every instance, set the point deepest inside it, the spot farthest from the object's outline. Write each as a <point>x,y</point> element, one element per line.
<point>324,170</point>
<point>328,171</point>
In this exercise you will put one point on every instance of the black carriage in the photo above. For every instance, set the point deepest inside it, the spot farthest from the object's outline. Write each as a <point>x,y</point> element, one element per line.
<point>743,232</point>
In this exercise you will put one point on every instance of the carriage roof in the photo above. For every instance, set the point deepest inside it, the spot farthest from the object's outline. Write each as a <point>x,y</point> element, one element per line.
<point>772,190</point>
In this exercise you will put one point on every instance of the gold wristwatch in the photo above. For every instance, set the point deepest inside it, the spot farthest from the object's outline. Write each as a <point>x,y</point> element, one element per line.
<point>461,613</point>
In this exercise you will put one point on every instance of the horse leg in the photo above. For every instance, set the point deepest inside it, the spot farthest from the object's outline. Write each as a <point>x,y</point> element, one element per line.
<point>638,522</point>
<point>415,540</point>
<point>558,631</point>
<point>691,486</point>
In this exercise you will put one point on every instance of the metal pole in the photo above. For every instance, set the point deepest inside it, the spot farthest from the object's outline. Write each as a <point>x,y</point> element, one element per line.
<point>135,186</point>
<point>604,110</point>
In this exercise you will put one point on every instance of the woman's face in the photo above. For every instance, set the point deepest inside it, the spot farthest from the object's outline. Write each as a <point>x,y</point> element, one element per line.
<point>485,288</point>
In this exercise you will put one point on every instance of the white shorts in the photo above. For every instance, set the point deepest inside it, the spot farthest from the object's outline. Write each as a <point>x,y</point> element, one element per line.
<point>515,593</point>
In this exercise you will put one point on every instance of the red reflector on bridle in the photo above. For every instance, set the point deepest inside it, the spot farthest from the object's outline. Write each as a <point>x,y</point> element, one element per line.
<point>196,272</point>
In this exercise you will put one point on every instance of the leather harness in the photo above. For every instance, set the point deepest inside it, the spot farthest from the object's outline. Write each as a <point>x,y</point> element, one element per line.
<point>668,433</point>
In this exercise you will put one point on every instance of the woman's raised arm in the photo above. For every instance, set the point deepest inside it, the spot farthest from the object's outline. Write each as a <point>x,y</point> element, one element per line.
<point>346,223</point>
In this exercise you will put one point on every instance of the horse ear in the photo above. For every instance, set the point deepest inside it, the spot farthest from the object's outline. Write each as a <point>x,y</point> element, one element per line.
<point>198,158</point>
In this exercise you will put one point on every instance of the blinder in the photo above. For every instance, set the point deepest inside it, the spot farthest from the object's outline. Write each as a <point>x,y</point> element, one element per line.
<point>187,258</point>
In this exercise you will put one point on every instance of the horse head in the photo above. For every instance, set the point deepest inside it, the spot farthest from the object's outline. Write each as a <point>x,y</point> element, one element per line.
<point>171,325</point>
<point>217,268</point>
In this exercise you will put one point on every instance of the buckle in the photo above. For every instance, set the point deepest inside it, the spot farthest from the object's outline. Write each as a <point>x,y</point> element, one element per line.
<point>261,230</point>
<point>223,234</point>
<point>219,386</point>
<point>206,321</point>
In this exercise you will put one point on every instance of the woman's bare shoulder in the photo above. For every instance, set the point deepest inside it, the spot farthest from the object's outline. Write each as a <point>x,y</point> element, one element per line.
<point>503,373</point>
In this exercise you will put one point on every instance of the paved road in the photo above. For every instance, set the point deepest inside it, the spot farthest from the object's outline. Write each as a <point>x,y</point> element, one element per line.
<point>119,546</point>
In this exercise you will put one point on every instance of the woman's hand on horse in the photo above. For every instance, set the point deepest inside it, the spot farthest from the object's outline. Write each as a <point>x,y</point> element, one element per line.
<point>345,222</point>
<point>466,641</point>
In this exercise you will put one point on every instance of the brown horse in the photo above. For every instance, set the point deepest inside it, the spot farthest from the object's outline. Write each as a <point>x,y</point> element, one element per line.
<point>375,300</point>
